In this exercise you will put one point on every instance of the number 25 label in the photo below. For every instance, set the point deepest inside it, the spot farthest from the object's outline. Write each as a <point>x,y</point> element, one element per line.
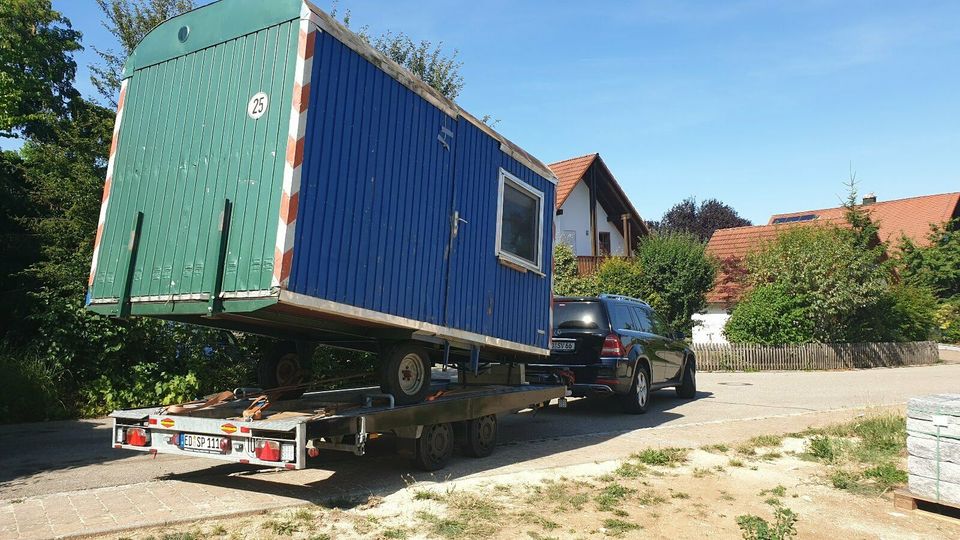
<point>258,105</point>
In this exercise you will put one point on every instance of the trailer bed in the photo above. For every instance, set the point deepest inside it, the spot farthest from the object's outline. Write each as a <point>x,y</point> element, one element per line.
<point>292,430</point>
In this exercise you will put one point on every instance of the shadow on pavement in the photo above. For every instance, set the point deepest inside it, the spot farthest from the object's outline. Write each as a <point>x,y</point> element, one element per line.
<point>47,446</point>
<point>352,479</point>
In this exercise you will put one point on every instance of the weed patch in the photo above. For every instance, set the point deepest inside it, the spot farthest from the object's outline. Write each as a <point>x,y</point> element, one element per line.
<point>662,456</point>
<point>618,527</point>
<point>610,497</point>
<point>756,528</point>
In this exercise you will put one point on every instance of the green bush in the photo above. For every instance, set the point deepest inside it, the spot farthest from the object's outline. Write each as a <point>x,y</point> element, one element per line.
<point>671,272</point>
<point>770,314</point>
<point>756,528</point>
<point>947,319</point>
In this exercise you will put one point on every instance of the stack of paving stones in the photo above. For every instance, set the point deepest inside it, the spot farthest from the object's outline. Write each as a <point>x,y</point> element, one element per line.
<point>933,444</point>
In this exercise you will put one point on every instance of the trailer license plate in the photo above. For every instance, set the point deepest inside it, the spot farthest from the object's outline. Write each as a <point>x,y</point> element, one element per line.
<point>563,345</point>
<point>200,443</point>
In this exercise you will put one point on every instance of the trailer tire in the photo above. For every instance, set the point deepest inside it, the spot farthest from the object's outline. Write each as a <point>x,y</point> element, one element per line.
<point>434,447</point>
<point>405,373</point>
<point>282,365</point>
<point>481,436</point>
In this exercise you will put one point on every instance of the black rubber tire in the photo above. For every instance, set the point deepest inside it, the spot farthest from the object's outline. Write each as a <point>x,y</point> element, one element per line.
<point>434,447</point>
<point>636,402</point>
<point>399,384</point>
<point>282,366</point>
<point>688,381</point>
<point>481,436</point>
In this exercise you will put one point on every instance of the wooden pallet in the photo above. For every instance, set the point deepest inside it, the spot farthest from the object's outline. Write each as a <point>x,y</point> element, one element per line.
<point>904,499</point>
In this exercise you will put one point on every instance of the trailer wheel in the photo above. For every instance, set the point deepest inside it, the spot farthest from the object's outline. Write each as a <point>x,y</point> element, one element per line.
<point>282,366</point>
<point>481,436</point>
<point>434,447</point>
<point>405,373</point>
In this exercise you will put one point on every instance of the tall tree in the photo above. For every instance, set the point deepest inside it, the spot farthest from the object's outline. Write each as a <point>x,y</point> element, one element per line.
<point>699,220</point>
<point>36,67</point>
<point>129,21</point>
<point>423,58</point>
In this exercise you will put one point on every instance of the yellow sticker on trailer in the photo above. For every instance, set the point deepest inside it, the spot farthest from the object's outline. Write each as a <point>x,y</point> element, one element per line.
<point>228,428</point>
<point>167,422</point>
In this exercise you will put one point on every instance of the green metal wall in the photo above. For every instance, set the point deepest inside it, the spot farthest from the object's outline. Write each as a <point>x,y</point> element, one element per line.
<point>186,146</point>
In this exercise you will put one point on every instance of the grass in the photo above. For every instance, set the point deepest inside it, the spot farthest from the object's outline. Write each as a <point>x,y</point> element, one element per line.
<point>397,533</point>
<point>617,527</point>
<point>779,491</point>
<point>650,499</point>
<point>611,496</point>
<point>749,448</point>
<point>426,495</point>
<point>735,462</point>
<point>756,528</point>
<point>863,454</point>
<point>700,472</point>
<point>680,495</point>
<point>662,456</point>
<point>716,448</point>
<point>630,470</point>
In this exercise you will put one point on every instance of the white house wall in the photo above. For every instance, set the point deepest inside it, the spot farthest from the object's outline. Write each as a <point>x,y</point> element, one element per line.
<point>573,226</point>
<point>712,321</point>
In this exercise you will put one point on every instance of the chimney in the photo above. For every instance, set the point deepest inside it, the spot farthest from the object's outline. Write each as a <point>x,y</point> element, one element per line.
<point>869,199</point>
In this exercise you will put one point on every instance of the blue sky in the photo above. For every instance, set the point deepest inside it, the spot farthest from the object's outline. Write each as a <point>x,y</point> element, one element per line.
<point>761,104</point>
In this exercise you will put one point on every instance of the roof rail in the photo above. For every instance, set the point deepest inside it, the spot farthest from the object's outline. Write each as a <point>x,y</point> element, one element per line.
<point>623,297</point>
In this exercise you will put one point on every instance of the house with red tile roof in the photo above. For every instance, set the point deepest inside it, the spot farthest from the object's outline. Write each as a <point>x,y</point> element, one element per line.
<point>911,218</point>
<point>594,216</point>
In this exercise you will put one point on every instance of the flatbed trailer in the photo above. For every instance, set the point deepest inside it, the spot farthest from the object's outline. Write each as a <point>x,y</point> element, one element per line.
<point>290,431</point>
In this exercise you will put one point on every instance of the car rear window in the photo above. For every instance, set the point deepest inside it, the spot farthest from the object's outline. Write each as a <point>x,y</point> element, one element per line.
<point>578,316</point>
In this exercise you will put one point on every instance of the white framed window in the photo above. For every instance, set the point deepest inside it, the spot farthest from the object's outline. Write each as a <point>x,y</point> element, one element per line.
<point>519,223</point>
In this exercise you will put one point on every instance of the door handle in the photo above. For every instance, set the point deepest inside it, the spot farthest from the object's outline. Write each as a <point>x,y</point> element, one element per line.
<point>456,219</point>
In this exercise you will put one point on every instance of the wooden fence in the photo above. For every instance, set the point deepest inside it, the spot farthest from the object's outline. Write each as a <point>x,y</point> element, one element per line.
<point>812,356</point>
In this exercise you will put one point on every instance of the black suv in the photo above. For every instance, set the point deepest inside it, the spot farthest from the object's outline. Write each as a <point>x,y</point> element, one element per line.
<point>617,345</point>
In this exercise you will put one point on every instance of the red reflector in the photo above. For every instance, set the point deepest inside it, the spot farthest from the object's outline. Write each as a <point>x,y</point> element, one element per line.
<point>290,466</point>
<point>244,461</point>
<point>608,382</point>
<point>137,437</point>
<point>313,452</point>
<point>153,421</point>
<point>244,429</point>
<point>267,450</point>
<point>118,446</point>
<point>613,347</point>
<point>225,445</point>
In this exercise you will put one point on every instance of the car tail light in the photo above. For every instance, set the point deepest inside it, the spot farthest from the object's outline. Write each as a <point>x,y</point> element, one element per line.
<point>137,437</point>
<point>267,450</point>
<point>613,347</point>
<point>225,445</point>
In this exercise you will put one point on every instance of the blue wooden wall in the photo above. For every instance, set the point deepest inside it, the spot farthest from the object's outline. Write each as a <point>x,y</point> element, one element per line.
<point>376,196</point>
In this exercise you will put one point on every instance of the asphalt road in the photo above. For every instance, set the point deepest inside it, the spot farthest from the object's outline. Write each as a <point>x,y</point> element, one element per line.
<point>53,457</point>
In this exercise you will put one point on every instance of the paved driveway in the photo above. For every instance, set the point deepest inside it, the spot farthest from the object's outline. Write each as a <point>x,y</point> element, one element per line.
<point>46,466</point>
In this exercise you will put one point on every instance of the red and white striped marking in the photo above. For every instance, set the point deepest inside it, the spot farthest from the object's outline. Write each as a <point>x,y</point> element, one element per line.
<point>109,181</point>
<point>289,199</point>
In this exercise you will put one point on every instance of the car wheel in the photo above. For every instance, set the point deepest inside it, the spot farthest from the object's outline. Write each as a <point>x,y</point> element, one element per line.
<point>635,402</point>
<point>688,382</point>
<point>405,373</point>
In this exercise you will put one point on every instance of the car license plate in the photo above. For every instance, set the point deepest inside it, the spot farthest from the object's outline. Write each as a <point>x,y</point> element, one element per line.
<point>563,345</point>
<point>200,443</point>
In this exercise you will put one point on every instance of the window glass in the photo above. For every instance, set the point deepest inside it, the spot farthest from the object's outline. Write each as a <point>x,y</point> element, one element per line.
<point>660,328</point>
<point>520,221</point>
<point>578,315</point>
<point>643,320</point>
<point>621,317</point>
